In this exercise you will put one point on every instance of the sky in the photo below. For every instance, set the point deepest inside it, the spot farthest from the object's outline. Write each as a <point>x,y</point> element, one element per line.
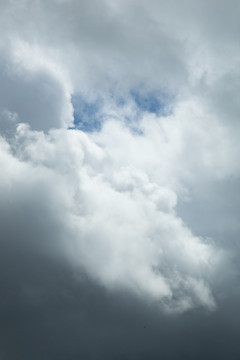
<point>119,179</point>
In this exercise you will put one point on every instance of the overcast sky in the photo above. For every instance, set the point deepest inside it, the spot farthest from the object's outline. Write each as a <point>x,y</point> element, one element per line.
<point>119,179</point>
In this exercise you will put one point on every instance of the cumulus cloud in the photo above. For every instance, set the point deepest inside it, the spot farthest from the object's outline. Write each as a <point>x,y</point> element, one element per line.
<point>120,217</point>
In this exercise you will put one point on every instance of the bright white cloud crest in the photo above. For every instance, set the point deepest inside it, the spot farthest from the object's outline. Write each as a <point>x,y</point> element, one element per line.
<point>111,195</point>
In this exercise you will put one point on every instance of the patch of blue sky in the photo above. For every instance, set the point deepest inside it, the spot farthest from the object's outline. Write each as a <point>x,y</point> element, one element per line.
<point>89,115</point>
<point>86,113</point>
<point>152,101</point>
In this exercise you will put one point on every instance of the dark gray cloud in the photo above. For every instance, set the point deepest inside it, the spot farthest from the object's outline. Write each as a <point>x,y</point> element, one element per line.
<point>78,318</point>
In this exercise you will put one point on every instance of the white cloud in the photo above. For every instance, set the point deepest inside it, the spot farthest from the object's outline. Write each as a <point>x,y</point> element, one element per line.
<point>122,227</point>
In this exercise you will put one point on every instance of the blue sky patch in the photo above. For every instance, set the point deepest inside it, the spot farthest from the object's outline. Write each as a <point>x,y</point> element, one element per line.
<point>153,102</point>
<point>86,113</point>
<point>89,115</point>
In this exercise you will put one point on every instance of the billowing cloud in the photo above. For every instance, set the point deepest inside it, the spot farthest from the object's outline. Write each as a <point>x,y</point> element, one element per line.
<point>120,211</point>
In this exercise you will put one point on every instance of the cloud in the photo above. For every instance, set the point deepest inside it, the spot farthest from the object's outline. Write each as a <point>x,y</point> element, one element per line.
<point>119,158</point>
<point>33,89</point>
<point>121,224</point>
